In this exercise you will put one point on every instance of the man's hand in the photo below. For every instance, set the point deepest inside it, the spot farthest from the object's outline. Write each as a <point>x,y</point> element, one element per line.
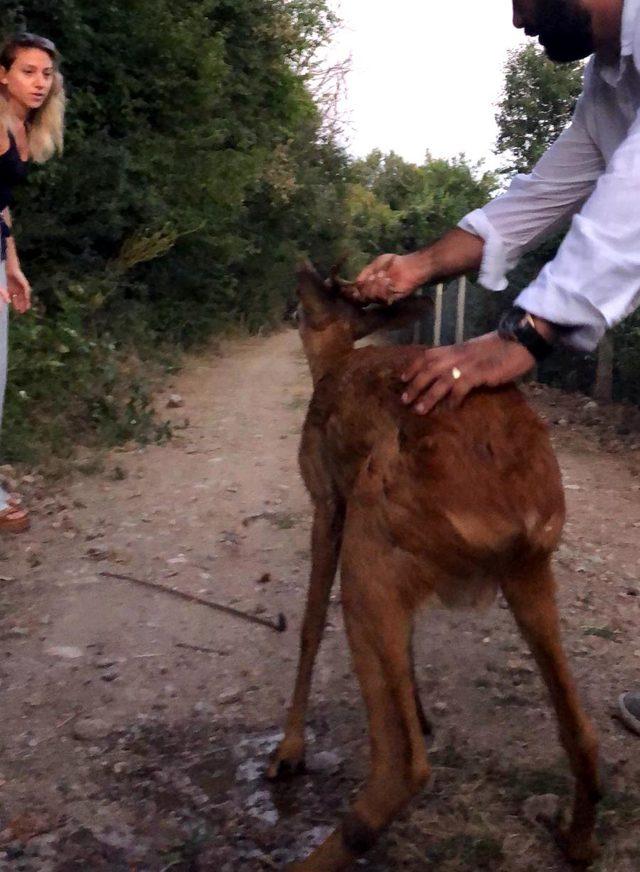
<point>389,278</point>
<point>455,370</point>
<point>19,290</point>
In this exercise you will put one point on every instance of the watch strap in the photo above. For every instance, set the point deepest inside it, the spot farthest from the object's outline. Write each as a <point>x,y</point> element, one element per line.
<point>517,325</point>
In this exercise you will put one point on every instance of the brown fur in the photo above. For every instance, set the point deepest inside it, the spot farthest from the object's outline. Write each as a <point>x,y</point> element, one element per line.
<point>452,506</point>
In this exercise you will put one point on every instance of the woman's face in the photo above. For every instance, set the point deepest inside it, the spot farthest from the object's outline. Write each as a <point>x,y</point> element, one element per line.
<point>30,78</point>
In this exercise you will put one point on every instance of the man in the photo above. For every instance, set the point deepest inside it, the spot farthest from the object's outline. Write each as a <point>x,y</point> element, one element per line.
<point>592,172</point>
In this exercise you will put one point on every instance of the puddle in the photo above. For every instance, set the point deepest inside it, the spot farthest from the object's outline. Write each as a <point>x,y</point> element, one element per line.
<point>212,781</point>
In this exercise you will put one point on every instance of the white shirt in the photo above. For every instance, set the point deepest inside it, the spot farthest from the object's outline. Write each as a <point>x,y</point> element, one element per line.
<point>592,172</point>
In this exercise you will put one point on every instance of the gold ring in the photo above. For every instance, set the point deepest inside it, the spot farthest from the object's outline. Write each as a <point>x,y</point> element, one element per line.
<point>455,372</point>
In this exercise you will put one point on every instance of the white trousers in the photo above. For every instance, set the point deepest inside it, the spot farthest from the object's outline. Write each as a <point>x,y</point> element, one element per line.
<point>4,354</point>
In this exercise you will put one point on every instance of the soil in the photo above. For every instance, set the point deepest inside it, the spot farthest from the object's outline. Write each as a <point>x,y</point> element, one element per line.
<point>135,725</point>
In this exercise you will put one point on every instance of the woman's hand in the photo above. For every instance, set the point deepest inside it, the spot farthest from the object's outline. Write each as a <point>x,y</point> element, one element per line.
<point>455,370</point>
<point>19,290</point>
<point>389,278</point>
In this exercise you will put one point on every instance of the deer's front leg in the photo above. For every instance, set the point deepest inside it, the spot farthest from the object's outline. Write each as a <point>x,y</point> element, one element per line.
<point>325,548</point>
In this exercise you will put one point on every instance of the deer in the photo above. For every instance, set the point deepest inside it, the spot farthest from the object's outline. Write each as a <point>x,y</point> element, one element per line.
<point>452,508</point>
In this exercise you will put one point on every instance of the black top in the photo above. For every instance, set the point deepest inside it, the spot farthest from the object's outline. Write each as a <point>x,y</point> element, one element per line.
<point>13,170</point>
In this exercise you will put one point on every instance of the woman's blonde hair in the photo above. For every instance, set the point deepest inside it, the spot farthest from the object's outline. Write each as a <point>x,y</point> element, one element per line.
<point>45,126</point>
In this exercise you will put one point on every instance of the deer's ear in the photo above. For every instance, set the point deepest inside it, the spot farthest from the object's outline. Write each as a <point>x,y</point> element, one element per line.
<point>312,293</point>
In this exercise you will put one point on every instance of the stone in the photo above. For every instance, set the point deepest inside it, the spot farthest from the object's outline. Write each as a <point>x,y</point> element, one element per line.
<point>325,761</point>
<point>175,402</point>
<point>106,662</point>
<point>228,697</point>
<point>91,729</point>
<point>98,553</point>
<point>203,708</point>
<point>65,652</point>
<point>545,807</point>
<point>519,667</point>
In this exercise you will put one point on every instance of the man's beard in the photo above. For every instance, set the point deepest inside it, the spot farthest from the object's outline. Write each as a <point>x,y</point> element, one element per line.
<point>564,30</point>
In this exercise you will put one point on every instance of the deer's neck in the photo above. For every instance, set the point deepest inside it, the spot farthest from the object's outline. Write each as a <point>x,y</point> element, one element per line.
<point>326,349</point>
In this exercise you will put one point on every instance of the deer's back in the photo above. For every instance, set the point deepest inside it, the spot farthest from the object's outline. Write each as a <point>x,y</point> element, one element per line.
<point>476,484</point>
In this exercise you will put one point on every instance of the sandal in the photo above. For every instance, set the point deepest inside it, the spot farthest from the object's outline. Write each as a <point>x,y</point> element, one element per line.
<point>629,705</point>
<point>14,519</point>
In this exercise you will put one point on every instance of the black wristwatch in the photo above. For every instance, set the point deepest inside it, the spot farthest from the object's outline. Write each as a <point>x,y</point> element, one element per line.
<point>516,325</point>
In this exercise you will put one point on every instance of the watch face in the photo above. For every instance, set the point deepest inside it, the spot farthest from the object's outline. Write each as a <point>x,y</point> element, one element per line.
<point>510,322</point>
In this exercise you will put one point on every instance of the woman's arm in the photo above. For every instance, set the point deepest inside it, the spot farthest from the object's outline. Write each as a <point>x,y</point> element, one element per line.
<point>4,139</point>
<point>18,287</point>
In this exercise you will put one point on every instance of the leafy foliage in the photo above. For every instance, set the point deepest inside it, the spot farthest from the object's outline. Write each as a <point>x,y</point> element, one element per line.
<point>195,175</point>
<point>398,206</point>
<point>201,165</point>
<point>537,102</point>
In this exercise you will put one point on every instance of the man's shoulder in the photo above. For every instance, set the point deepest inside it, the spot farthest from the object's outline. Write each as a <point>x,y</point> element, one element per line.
<point>631,30</point>
<point>591,79</point>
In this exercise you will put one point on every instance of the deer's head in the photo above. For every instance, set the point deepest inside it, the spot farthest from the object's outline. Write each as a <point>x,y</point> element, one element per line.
<point>330,323</point>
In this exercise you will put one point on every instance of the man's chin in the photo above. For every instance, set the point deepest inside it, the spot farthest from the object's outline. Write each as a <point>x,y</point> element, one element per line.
<point>567,54</point>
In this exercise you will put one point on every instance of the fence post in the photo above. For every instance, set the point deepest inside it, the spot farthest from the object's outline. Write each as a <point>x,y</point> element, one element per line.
<point>462,302</point>
<point>437,326</point>
<point>417,327</point>
<point>603,388</point>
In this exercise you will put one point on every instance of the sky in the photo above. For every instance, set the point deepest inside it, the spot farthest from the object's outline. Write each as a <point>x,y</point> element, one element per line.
<point>425,74</point>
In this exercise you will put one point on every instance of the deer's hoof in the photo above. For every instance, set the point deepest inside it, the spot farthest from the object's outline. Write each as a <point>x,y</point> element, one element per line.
<point>285,764</point>
<point>579,850</point>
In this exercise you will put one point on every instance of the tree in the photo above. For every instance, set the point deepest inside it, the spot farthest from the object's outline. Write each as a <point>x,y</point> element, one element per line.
<point>197,172</point>
<point>536,105</point>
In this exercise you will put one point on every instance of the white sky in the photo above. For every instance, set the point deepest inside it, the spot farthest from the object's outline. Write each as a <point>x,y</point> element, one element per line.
<point>426,74</point>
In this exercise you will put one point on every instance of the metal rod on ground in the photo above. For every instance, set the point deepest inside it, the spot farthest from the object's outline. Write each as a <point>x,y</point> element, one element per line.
<point>278,627</point>
<point>462,302</point>
<point>201,648</point>
<point>437,326</point>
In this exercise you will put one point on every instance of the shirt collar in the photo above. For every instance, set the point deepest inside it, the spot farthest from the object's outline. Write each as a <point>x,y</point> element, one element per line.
<point>612,73</point>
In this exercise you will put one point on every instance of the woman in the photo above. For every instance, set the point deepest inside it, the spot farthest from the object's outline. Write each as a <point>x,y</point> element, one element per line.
<point>31,128</point>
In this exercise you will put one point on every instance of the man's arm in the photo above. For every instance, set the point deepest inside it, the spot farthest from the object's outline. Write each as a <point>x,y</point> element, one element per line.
<point>493,238</point>
<point>592,284</point>
<point>594,281</point>
<point>391,276</point>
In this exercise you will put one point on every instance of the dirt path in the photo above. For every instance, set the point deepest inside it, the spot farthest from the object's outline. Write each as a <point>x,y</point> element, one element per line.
<point>120,749</point>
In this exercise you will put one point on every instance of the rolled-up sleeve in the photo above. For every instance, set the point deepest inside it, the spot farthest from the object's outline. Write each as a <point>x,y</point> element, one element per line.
<point>594,280</point>
<point>538,204</point>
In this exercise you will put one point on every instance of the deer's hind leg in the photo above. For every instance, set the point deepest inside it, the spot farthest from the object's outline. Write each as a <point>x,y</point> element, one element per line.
<point>378,622</point>
<point>531,596</point>
<point>325,548</point>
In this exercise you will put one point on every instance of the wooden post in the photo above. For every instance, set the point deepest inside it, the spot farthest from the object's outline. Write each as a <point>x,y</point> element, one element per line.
<point>417,328</point>
<point>462,301</point>
<point>603,388</point>
<point>437,326</point>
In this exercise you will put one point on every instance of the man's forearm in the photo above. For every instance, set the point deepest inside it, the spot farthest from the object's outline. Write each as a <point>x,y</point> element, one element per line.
<point>455,254</point>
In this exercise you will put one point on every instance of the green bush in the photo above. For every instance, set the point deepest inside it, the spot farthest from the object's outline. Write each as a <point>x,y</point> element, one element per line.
<point>195,175</point>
